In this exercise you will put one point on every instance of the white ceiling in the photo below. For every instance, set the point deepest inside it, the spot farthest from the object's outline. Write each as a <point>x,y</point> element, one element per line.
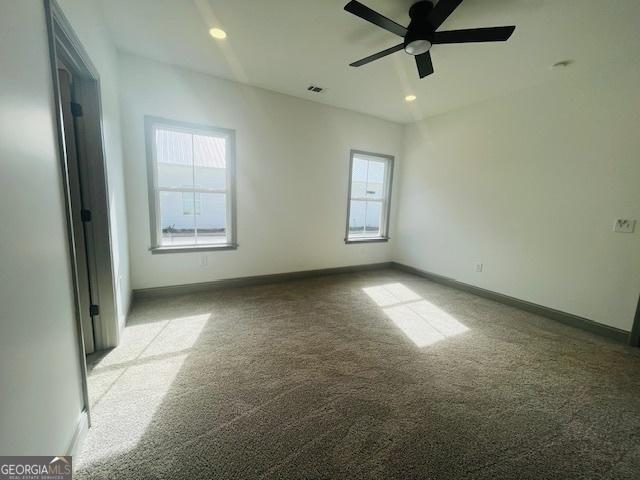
<point>287,45</point>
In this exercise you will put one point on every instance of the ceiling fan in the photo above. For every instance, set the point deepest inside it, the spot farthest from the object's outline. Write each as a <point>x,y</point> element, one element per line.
<point>421,33</point>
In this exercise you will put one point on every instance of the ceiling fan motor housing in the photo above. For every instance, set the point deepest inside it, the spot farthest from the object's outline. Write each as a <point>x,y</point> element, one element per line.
<point>418,39</point>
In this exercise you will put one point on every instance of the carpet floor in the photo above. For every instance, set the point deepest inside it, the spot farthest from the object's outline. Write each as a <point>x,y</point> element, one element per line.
<point>375,375</point>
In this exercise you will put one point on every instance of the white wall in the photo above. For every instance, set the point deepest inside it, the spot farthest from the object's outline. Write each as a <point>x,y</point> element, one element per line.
<point>41,397</point>
<point>86,19</point>
<point>530,185</point>
<point>292,174</point>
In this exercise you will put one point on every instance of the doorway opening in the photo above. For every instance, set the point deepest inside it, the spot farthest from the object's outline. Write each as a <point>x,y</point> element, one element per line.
<point>76,88</point>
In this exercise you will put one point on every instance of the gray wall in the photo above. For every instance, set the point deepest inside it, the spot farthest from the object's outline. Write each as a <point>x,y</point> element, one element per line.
<point>40,377</point>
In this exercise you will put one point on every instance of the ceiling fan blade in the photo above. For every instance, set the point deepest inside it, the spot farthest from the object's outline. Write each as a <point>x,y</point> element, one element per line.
<point>441,11</point>
<point>423,62</point>
<point>491,34</point>
<point>378,55</point>
<point>374,17</point>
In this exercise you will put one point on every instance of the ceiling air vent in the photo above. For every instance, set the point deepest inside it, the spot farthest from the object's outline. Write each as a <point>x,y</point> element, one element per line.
<point>315,89</point>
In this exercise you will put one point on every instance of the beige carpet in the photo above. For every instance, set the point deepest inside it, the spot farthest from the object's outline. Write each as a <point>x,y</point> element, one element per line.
<point>376,375</point>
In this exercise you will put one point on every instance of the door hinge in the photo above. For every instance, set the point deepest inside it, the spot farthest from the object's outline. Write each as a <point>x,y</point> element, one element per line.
<point>76,109</point>
<point>85,215</point>
<point>94,310</point>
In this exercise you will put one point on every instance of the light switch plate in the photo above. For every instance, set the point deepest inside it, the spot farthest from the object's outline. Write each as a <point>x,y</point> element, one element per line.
<point>624,225</point>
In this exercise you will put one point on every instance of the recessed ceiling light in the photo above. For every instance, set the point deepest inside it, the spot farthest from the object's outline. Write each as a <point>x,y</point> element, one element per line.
<point>218,33</point>
<point>410,98</point>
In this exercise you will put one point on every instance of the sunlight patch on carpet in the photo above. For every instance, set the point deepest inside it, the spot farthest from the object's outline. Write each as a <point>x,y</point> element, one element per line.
<point>420,320</point>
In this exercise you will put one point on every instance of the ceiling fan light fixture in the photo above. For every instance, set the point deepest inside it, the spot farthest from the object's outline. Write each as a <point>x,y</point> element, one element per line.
<point>418,47</point>
<point>423,31</point>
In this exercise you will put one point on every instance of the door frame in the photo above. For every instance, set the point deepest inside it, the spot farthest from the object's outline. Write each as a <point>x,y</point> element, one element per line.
<point>85,261</point>
<point>64,46</point>
<point>634,337</point>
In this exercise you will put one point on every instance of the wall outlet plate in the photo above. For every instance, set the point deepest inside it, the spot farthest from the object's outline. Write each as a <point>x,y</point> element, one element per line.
<point>479,267</point>
<point>624,225</point>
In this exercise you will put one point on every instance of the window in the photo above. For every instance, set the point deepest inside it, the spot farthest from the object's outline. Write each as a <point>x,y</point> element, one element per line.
<point>188,206</point>
<point>369,197</point>
<point>191,186</point>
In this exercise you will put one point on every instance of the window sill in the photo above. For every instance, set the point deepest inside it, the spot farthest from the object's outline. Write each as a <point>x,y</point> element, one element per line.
<point>194,248</point>
<point>366,240</point>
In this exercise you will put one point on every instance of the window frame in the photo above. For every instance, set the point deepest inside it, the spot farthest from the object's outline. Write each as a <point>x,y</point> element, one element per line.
<point>151,123</point>
<point>386,201</point>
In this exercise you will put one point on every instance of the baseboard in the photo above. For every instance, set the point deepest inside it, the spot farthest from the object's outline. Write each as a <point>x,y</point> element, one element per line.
<point>82,426</point>
<point>254,280</point>
<point>557,315</point>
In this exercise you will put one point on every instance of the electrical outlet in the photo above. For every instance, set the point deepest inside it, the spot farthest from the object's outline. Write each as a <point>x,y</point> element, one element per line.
<point>204,261</point>
<point>624,225</point>
<point>479,267</point>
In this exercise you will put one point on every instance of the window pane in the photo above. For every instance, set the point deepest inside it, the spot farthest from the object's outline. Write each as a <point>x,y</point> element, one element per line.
<point>358,178</point>
<point>210,162</point>
<point>190,202</point>
<point>370,175</point>
<point>375,182</point>
<point>372,220</point>
<point>358,189</point>
<point>177,228</point>
<point>357,217</point>
<point>174,157</point>
<point>212,222</point>
<point>359,169</point>
<point>193,169</point>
